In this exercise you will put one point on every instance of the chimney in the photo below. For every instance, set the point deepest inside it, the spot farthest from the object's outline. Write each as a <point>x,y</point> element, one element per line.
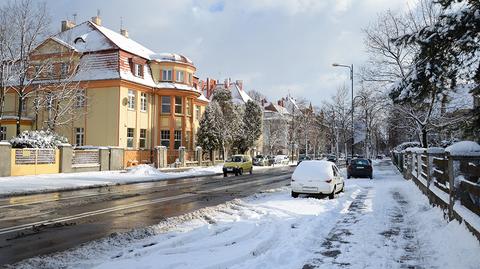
<point>124,32</point>
<point>97,19</point>
<point>66,25</point>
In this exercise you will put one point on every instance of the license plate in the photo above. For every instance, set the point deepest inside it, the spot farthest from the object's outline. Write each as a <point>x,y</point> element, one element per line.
<point>229,169</point>
<point>360,167</point>
<point>309,188</point>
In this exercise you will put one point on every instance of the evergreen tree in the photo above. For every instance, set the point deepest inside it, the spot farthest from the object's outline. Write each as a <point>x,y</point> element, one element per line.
<point>251,127</point>
<point>209,135</point>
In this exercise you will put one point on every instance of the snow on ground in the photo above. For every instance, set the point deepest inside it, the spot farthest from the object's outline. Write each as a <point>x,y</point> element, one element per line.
<point>141,173</point>
<point>39,183</point>
<point>380,223</point>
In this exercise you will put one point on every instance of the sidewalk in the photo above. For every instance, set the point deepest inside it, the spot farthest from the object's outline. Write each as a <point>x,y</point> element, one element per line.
<point>20,185</point>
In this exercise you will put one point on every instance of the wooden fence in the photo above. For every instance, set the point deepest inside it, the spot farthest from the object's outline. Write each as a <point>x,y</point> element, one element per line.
<point>450,181</point>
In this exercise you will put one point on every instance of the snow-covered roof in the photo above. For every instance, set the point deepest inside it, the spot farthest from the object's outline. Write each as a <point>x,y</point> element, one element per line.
<point>203,98</point>
<point>239,96</point>
<point>170,57</point>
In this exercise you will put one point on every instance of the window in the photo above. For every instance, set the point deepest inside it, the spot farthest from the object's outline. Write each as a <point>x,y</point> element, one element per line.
<point>3,133</point>
<point>130,132</point>
<point>165,138</point>
<point>167,74</point>
<point>189,107</point>
<point>143,102</point>
<point>180,76</point>
<point>80,98</point>
<point>178,104</point>
<point>178,138</point>
<point>64,68</point>
<point>131,99</point>
<point>143,138</point>
<point>197,112</point>
<point>165,104</point>
<point>79,136</point>
<point>190,78</point>
<point>138,69</point>
<point>24,105</point>
<point>51,71</point>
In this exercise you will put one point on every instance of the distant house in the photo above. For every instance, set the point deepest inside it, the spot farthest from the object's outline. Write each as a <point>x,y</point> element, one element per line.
<point>239,95</point>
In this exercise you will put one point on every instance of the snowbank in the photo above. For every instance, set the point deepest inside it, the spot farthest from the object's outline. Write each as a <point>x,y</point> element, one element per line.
<point>464,148</point>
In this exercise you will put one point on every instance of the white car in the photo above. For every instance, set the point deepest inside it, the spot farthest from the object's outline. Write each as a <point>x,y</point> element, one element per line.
<point>317,177</point>
<point>281,159</point>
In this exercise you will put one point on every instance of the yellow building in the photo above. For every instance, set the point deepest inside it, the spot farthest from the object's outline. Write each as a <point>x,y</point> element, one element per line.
<point>135,98</point>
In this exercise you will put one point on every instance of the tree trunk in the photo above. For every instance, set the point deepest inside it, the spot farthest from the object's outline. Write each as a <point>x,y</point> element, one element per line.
<point>424,137</point>
<point>19,113</point>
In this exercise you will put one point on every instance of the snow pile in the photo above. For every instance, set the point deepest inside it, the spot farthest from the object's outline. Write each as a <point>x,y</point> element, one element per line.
<point>144,170</point>
<point>405,145</point>
<point>37,139</point>
<point>464,148</point>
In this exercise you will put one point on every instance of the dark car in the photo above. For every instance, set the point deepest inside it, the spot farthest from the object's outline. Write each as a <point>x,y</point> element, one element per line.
<point>360,168</point>
<point>332,158</point>
<point>303,158</point>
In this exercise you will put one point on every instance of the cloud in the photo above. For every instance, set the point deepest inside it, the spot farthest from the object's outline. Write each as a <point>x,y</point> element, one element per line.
<point>274,46</point>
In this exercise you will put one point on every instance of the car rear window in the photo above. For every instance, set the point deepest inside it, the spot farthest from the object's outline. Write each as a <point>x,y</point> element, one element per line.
<point>235,159</point>
<point>360,162</point>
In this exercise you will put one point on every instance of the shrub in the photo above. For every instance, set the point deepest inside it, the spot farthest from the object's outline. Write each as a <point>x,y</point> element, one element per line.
<point>37,139</point>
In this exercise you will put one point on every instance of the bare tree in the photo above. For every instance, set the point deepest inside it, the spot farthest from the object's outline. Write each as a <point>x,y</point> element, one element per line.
<point>256,96</point>
<point>276,128</point>
<point>30,24</point>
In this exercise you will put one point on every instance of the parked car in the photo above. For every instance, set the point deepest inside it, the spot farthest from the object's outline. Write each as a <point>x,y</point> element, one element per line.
<point>260,160</point>
<point>360,168</point>
<point>281,159</point>
<point>317,177</point>
<point>332,158</point>
<point>379,157</point>
<point>238,164</point>
<point>303,158</point>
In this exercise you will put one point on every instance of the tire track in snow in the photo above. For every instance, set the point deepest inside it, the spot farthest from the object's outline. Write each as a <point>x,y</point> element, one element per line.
<point>337,238</point>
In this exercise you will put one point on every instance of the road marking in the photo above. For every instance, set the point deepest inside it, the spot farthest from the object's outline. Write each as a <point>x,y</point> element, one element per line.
<point>124,207</point>
<point>191,180</point>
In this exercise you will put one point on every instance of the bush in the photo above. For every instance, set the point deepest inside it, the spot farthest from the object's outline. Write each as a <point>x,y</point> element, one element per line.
<point>37,139</point>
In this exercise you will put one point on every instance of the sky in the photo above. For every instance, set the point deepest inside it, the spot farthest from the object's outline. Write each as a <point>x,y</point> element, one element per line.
<point>276,47</point>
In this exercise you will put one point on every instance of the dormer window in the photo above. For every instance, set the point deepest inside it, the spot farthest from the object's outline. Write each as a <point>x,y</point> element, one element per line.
<point>138,70</point>
<point>167,74</point>
<point>180,76</point>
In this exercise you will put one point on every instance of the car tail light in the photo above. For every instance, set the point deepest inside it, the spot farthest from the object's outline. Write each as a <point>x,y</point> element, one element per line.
<point>328,180</point>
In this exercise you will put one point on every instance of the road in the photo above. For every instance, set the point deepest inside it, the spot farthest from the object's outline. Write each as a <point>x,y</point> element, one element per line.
<point>40,224</point>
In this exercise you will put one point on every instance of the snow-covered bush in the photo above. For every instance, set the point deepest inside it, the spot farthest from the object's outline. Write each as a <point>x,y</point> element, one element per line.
<point>37,139</point>
<point>405,145</point>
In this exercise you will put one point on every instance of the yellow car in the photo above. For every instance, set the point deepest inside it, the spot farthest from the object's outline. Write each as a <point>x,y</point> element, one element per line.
<point>238,164</point>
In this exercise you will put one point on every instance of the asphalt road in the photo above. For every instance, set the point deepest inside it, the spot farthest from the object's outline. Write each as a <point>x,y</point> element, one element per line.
<point>40,224</point>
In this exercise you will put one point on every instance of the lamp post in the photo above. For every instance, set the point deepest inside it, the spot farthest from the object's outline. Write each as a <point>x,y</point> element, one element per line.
<point>351,78</point>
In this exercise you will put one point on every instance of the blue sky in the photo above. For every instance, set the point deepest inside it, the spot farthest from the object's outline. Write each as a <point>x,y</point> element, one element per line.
<point>276,47</point>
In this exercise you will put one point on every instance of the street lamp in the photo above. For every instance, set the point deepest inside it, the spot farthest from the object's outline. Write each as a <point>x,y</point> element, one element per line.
<point>351,78</point>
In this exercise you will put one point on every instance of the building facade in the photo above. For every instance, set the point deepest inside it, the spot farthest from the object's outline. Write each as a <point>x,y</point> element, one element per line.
<point>133,98</point>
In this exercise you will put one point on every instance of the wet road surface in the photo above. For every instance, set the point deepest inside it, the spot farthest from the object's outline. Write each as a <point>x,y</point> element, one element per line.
<point>39,224</point>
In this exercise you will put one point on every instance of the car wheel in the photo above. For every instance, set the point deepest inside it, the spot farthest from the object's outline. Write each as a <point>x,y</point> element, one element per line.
<point>295,194</point>
<point>332,195</point>
<point>224,174</point>
<point>236,172</point>
<point>251,170</point>
<point>240,172</point>
<point>371,176</point>
<point>348,176</point>
<point>343,188</point>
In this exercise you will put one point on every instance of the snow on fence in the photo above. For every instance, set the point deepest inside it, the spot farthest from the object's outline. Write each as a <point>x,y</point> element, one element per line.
<point>86,157</point>
<point>450,181</point>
